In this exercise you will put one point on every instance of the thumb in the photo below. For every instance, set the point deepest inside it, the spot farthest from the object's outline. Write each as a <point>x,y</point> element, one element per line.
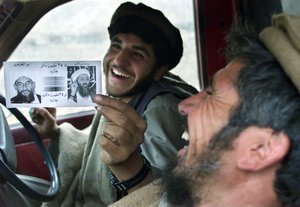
<point>46,114</point>
<point>39,115</point>
<point>52,111</point>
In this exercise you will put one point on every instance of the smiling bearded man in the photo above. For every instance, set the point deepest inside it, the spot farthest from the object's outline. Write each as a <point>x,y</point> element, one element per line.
<point>144,47</point>
<point>25,88</point>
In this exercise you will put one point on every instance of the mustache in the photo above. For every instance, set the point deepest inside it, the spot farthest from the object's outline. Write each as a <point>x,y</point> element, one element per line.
<point>26,91</point>
<point>185,126</point>
<point>114,66</point>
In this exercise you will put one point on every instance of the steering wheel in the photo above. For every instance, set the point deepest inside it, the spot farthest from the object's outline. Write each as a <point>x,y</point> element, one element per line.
<point>8,156</point>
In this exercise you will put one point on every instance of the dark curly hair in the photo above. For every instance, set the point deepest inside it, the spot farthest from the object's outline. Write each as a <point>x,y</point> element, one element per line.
<point>268,98</point>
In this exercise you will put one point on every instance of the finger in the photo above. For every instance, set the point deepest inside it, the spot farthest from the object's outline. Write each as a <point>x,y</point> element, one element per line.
<point>52,111</point>
<point>107,102</point>
<point>40,114</point>
<point>35,116</point>
<point>121,120</point>
<point>122,137</point>
<point>111,153</point>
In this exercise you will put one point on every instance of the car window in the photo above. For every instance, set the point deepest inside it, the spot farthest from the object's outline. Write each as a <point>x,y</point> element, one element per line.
<point>291,7</point>
<point>77,30</point>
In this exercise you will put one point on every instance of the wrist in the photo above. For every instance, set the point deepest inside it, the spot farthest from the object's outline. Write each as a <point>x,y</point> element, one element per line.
<point>123,186</point>
<point>54,133</point>
<point>128,168</point>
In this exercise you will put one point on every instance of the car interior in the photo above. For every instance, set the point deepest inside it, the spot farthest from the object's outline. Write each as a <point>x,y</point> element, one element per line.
<point>27,173</point>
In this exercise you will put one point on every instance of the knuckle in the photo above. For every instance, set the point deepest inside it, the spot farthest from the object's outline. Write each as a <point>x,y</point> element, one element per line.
<point>106,101</point>
<point>123,120</point>
<point>102,142</point>
<point>143,126</point>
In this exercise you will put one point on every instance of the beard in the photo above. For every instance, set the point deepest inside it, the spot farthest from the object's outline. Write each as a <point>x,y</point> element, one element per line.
<point>26,98</point>
<point>177,187</point>
<point>83,91</point>
<point>186,185</point>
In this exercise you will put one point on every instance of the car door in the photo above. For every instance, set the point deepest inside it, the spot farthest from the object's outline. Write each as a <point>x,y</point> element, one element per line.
<point>58,30</point>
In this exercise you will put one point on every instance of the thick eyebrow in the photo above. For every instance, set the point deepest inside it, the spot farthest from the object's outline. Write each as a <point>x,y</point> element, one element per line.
<point>142,49</point>
<point>136,47</point>
<point>18,81</point>
<point>116,39</point>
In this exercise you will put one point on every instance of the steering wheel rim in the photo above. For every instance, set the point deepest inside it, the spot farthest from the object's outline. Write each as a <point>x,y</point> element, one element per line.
<point>8,175</point>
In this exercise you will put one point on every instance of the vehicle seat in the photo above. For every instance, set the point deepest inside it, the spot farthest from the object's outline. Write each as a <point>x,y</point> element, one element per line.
<point>9,196</point>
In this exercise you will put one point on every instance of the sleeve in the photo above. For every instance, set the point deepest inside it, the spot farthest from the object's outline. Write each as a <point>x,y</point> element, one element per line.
<point>149,195</point>
<point>67,151</point>
<point>165,127</point>
<point>70,142</point>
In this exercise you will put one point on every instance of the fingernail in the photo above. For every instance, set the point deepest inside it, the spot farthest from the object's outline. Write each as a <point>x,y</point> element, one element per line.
<point>97,98</point>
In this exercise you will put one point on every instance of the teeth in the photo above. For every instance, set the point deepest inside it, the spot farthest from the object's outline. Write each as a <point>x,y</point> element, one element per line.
<point>120,74</point>
<point>185,135</point>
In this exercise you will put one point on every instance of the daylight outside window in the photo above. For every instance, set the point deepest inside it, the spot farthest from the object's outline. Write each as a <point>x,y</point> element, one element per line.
<point>81,34</point>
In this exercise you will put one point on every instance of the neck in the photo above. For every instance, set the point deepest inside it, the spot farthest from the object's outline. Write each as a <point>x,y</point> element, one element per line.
<point>248,193</point>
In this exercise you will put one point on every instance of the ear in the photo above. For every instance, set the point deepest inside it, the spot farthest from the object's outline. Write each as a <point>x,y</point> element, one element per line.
<point>261,148</point>
<point>160,72</point>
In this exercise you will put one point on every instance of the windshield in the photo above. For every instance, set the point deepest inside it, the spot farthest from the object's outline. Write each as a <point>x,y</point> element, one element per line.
<point>77,30</point>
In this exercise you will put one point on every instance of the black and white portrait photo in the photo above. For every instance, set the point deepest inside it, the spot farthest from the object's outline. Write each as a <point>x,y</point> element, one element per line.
<point>81,84</point>
<point>52,83</point>
<point>25,88</point>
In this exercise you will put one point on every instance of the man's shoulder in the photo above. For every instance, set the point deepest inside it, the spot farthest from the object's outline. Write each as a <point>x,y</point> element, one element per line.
<point>164,105</point>
<point>166,99</point>
<point>148,195</point>
<point>168,91</point>
<point>177,85</point>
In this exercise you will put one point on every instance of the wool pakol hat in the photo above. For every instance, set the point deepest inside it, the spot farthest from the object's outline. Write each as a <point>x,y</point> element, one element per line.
<point>283,40</point>
<point>158,20</point>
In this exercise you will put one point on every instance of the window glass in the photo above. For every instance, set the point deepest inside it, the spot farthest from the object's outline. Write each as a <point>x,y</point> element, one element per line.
<point>291,7</point>
<point>77,30</point>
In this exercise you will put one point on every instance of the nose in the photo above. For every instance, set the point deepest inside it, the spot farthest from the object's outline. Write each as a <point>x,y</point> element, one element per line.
<point>85,81</point>
<point>186,105</point>
<point>122,58</point>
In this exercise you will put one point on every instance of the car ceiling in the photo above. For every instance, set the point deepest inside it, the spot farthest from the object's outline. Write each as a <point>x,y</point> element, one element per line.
<point>17,17</point>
